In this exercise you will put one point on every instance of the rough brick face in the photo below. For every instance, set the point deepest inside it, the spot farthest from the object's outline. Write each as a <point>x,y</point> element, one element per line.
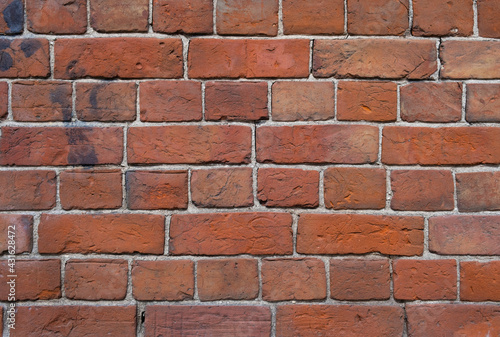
<point>488,12</point>
<point>483,102</point>
<point>247,17</point>
<point>12,19</point>
<point>479,281</point>
<point>442,18</point>
<point>470,59</point>
<point>25,190</point>
<point>313,17</point>
<point>23,229</point>
<point>24,58</point>
<point>477,191</point>
<point>4,100</point>
<point>377,17</point>
<point>57,16</point>
<point>119,15</point>
<point>183,16</point>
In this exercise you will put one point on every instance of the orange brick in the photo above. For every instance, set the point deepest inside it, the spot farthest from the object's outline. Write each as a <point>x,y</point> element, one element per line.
<point>479,281</point>
<point>27,190</point>
<point>110,16</point>
<point>377,17</point>
<point>477,191</point>
<point>488,12</point>
<point>470,59</point>
<point>247,17</point>
<point>483,102</point>
<point>57,16</point>
<point>183,16</point>
<point>442,18</point>
<point>313,17</point>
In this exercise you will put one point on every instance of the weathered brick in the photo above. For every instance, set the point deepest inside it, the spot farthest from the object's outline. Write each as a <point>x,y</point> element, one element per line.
<point>345,144</point>
<point>478,191</point>
<point>288,187</point>
<point>61,146</point>
<point>24,58</point>
<point>294,101</point>
<point>189,144</point>
<point>360,234</point>
<point>442,18</point>
<point>425,279</point>
<point>360,280</point>
<point>431,102</point>
<point>293,279</point>
<point>464,235</point>
<point>157,189</point>
<point>106,101</point>
<point>313,17</point>
<point>231,234</point>
<point>163,280</point>
<point>22,226</point>
<point>57,16</point>
<point>239,101</point>
<point>101,233</point>
<point>479,281</point>
<point>228,279</point>
<point>4,100</point>
<point>440,146</point>
<point>422,190</point>
<point>247,17</point>
<point>119,15</point>
<point>170,101</point>
<point>354,188</point>
<point>27,190</point>
<point>41,101</point>
<point>183,16</point>
<point>379,17</point>
<point>230,187</point>
<point>379,58</point>
<point>120,57</point>
<point>483,102</point>
<point>470,59</point>
<point>488,12</point>
<point>12,19</point>
<point>96,279</point>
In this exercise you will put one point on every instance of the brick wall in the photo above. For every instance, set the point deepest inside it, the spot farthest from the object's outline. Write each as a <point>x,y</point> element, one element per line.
<point>251,167</point>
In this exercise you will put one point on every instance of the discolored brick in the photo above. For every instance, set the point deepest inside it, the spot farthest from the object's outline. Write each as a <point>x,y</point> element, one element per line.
<point>479,281</point>
<point>22,227</point>
<point>247,17</point>
<point>183,16</point>
<point>57,16</point>
<point>488,12</point>
<point>477,191</point>
<point>23,58</point>
<point>12,19</point>
<point>470,59</point>
<point>110,16</point>
<point>27,190</point>
<point>313,17</point>
<point>377,17</point>
<point>442,17</point>
<point>483,102</point>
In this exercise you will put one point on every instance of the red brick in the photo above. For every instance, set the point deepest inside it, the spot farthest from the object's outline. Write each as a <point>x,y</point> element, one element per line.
<point>57,16</point>
<point>442,18</point>
<point>453,320</point>
<point>120,57</point>
<point>247,17</point>
<point>231,234</point>
<point>228,279</point>
<point>339,320</point>
<point>27,190</point>
<point>119,15</point>
<point>479,281</point>
<point>483,102</point>
<point>61,146</point>
<point>101,233</point>
<point>239,101</point>
<point>354,188</point>
<point>41,101</point>
<point>370,101</point>
<point>4,99</point>
<point>96,279</point>
<point>360,234</point>
<point>12,20</point>
<point>295,101</point>
<point>157,189</point>
<point>90,189</point>
<point>379,17</point>
<point>189,144</point>
<point>170,101</point>
<point>360,280</point>
<point>478,191</point>
<point>106,101</point>
<point>36,280</point>
<point>488,12</point>
<point>216,58</point>
<point>288,187</point>
<point>431,102</point>
<point>440,146</point>
<point>183,320</point>
<point>183,16</point>
<point>293,279</point>
<point>425,279</point>
<point>77,321</point>
<point>24,58</point>
<point>22,226</point>
<point>464,235</point>
<point>343,144</point>
<point>374,58</point>
<point>470,59</point>
<point>313,17</point>
<point>163,280</point>
<point>422,190</point>
<point>230,187</point>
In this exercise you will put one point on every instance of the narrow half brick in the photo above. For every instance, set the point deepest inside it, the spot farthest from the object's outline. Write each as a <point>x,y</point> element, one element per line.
<point>483,102</point>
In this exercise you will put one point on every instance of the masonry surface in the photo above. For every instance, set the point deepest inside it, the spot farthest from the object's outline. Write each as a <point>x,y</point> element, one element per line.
<point>250,167</point>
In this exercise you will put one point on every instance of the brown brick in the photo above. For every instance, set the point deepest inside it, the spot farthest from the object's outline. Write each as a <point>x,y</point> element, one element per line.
<point>96,279</point>
<point>239,101</point>
<point>170,101</point>
<point>425,279</point>
<point>41,101</point>
<point>231,234</point>
<point>12,20</point>
<point>27,190</point>
<point>106,101</point>
<point>183,16</point>
<point>57,16</point>
<point>442,18</point>
<point>4,100</point>
<point>293,279</point>
<point>360,280</point>
<point>230,187</point>
<point>295,101</point>
<point>431,102</point>
<point>101,233</point>
<point>488,12</point>
<point>313,17</point>
<point>478,191</point>
<point>483,102</point>
<point>24,58</point>
<point>119,15</point>
<point>360,234</point>
<point>288,187</point>
<point>247,17</point>
<point>470,59</point>
<point>157,189</point>
<point>163,280</point>
<point>354,188</point>
<point>377,17</point>
<point>422,190</point>
<point>479,281</point>
<point>228,279</point>
<point>22,226</point>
